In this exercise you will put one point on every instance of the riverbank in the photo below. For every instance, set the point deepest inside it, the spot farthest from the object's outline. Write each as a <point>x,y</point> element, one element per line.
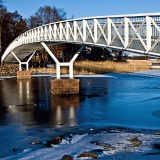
<point>105,144</point>
<point>85,68</point>
<point>112,66</point>
<point>99,67</point>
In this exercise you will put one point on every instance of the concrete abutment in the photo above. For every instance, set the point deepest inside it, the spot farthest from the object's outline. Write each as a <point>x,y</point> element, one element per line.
<point>64,86</point>
<point>24,74</point>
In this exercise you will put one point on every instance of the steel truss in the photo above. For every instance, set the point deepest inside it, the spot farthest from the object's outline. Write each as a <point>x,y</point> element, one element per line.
<point>136,33</point>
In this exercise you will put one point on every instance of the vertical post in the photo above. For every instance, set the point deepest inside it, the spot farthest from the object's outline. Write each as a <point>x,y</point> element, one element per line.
<point>60,32</point>
<point>84,30</point>
<point>55,31</point>
<point>95,30</point>
<point>20,66</point>
<point>109,30</point>
<point>37,32</point>
<point>75,30</point>
<point>50,32</point>
<point>148,33</point>
<point>71,70</point>
<point>46,31</point>
<point>126,31</point>
<point>58,70</point>
<point>27,66</point>
<point>67,31</point>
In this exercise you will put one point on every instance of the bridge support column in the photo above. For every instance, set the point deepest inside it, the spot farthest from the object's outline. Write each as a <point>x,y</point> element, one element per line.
<point>23,74</point>
<point>54,58</point>
<point>73,59</point>
<point>64,86</point>
<point>58,64</point>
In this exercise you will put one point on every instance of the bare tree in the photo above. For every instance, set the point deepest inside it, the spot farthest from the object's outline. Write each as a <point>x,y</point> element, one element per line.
<point>2,10</point>
<point>11,25</point>
<point>45,15</point>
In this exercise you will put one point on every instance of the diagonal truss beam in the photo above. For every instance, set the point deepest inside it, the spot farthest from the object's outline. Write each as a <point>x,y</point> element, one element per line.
<point>107,28</point>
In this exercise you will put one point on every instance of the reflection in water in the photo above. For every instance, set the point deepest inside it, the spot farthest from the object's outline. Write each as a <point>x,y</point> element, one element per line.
<point>64,109</point>
<point>24,90</point>
<point>20,90</point>
<point>61,111</point>
<point>30,102</point>
<point>27,89</point>
<point>55,109</point>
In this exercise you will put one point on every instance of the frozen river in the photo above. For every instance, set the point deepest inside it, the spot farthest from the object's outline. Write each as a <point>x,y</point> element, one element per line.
<point>106,103</point>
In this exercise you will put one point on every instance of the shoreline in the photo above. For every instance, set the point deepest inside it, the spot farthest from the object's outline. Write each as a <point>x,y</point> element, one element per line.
<point>54,76</point>
<point>106,142</point>
<point>154,73</point>
<point>86,67</point>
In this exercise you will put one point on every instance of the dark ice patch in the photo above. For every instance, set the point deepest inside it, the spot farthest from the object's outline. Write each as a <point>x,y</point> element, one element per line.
<point>156,114</point>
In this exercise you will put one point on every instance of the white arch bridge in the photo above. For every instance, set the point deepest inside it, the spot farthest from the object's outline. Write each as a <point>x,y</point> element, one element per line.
<point>136,33</point>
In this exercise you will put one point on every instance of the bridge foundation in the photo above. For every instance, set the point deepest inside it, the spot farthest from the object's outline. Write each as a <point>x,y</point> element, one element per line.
<point>64,86</point>
<point>23,74</point>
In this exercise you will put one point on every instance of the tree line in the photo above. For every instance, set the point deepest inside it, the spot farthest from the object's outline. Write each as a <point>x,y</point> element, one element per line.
<point>12,24</point>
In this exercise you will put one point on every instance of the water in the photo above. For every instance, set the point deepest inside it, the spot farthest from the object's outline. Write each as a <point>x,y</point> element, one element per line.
<point>29,112</point>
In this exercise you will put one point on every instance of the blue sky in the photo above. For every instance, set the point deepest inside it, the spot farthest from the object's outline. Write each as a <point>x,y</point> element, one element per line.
<point>85,8</point>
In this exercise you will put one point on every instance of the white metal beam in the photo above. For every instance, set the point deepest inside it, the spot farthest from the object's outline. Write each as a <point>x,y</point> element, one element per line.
<point>31,56</point>
<point>54,58</point>
<point>77,53</point>
<point>109,32</point>
<point>95,30</point>
<point>126,31</point>
<point>84,30</point>
<point>102,32</point>
<point>75,30</point>
<point>20,66</point>
<point>148,33</point>
<point>102,27</point>
<point>73,59</point>
<point>137,34</point>
<point>118,33</point>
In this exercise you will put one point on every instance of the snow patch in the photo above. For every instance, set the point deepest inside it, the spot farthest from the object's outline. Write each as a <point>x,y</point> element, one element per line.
<point>83,143</point>
<point>77,138</point>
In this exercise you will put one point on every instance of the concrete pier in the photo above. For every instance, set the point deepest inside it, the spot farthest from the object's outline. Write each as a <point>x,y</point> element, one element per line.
<point>64,86</point>
<point>23,74</point>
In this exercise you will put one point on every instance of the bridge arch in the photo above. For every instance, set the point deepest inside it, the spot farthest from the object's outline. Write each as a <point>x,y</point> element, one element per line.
<point>135,33</point>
